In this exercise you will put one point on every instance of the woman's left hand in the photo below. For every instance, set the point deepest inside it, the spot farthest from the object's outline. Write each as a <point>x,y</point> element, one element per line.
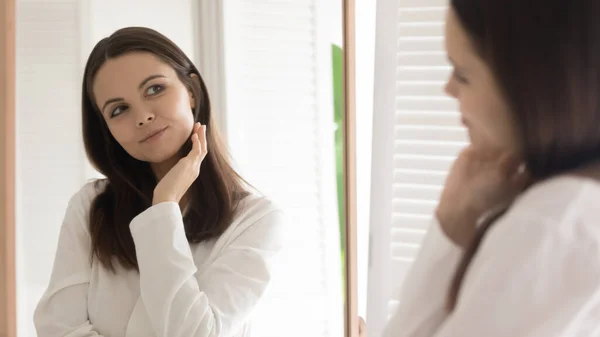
<point>172,187</point>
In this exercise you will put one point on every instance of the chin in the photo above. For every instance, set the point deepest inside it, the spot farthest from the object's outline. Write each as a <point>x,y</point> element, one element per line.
<point>155,156</point>
<point>158,158</point>
<point>159,152</point>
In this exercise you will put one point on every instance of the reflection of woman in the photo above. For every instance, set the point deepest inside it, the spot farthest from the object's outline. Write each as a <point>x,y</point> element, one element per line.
<point>171,243</point>
<point>517,248</point>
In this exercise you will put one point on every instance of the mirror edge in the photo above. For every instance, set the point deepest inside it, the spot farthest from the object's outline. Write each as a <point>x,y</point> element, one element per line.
<point>8,305</point>
<point>351,309</point>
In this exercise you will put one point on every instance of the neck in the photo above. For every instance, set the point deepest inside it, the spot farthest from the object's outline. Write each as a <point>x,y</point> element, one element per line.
<point>161,169</point>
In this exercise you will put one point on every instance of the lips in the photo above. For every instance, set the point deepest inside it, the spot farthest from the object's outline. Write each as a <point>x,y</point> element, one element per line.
<point>152,134</point>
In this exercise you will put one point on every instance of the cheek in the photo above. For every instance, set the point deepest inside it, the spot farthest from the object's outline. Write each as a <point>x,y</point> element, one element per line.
<point>491,122</point>
<point>180,110</point>
<point>122,133</point>
<point>504,125</point>
<point>480,115</point>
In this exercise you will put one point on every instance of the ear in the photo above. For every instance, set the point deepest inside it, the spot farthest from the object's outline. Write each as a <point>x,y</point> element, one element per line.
<point>196,81</point>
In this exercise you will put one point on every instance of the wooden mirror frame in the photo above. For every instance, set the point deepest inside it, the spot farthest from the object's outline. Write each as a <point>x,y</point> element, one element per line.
<point>351,308</point>
<point>8,303</point>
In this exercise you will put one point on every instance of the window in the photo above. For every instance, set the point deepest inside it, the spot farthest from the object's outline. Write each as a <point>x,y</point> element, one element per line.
<point>418,135</point>
<point>279,117</point>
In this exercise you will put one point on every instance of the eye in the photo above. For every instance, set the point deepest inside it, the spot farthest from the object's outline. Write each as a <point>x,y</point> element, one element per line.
<point>117,111</point>
<point>459,78</point>
<point>154,89</point>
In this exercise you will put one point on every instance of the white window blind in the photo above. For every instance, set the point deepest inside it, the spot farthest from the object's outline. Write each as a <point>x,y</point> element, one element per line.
<point>417,135</point>
<point>280,128</point>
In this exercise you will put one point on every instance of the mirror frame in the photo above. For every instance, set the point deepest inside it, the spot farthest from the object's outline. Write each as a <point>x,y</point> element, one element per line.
<point>351,291</point>
<point>8,315</point>
<point>8,305</point>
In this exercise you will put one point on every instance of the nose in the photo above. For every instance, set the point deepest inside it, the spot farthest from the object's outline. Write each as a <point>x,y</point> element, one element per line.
<point>450,88</point>
<point>144,119</point>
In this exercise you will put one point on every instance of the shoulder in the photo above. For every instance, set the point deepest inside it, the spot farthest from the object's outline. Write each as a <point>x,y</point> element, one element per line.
<point>557,217</point>
<point>560,200</point>
<point>254,207</point>
<point>556,195</point>
<point>257,211</point>
<point>80,203</point>
<point>88,192</point>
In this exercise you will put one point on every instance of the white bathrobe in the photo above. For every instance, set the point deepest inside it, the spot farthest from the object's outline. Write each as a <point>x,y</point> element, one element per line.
<point>201,290</point>
<point>536,274</point>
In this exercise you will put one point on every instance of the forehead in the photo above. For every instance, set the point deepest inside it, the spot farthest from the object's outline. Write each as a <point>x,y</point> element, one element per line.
<point>121,75</point>
<point>458,44</point>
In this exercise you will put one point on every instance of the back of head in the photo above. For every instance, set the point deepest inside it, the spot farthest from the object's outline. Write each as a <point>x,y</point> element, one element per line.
<point>545,56</point>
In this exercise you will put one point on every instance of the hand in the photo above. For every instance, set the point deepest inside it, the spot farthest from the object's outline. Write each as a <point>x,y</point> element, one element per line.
<point>362,327</point>
<point>175,183</point>
<point>477,183</point>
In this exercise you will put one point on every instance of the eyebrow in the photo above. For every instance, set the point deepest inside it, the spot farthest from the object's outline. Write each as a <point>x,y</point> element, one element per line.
<point>118,99</point>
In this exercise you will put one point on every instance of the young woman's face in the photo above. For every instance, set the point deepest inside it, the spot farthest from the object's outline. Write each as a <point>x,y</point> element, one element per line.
<point>147,108</point>
<point>484,110</point>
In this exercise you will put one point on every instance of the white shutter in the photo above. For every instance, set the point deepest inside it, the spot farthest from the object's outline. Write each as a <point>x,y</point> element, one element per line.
<point>416,137</point>
<point>280,130</point>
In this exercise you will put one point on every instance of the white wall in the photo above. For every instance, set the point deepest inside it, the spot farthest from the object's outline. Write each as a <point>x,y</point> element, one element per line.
<point>49,156</point>
<point>54,38</point>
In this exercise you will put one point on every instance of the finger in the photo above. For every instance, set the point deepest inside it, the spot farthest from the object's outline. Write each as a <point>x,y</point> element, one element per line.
<point>522,177</point>
<point>203,142</point>
<point>195,146</point>
<point>467,152</point>
<point>509,164</point>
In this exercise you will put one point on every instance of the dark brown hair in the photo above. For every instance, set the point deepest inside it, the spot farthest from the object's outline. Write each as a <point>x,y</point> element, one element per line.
<point>545,57</point>
<point>129,182</point>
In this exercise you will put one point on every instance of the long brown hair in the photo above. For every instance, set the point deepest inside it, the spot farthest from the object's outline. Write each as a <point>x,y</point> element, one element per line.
<point>545,57</point>
<point>129,182</point>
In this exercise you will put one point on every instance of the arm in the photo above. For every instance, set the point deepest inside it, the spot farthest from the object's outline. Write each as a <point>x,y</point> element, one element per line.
<point>62,310</point>
<point>425,289</point>
<point>220,299</point>
<point>531,278</point>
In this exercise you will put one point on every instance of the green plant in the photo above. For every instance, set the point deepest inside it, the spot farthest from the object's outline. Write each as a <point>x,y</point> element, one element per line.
<point>338,103</point>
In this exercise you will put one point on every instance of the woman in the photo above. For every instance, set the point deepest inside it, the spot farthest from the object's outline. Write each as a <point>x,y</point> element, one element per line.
<point>171,243</point>
<point>517,248</point>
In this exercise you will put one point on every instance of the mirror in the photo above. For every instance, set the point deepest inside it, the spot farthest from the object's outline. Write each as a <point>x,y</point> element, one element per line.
<point>279,77</point>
